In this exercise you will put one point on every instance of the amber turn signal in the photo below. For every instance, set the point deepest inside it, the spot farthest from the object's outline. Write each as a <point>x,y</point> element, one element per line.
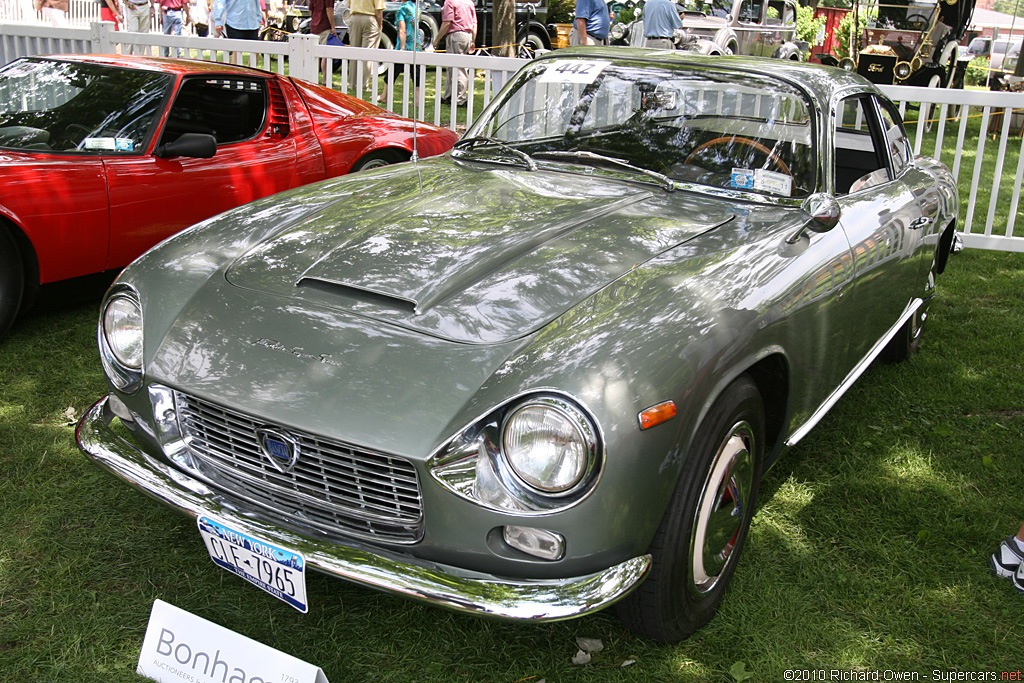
<point>655,415</point>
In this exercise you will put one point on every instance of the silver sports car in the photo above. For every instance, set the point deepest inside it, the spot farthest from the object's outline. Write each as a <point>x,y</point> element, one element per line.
<point>544,373</point>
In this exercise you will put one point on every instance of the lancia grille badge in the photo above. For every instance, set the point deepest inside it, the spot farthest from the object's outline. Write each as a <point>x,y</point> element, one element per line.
<point>280,449</point>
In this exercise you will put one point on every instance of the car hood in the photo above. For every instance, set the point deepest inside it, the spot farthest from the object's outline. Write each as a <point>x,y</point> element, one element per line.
<point>471,254</point>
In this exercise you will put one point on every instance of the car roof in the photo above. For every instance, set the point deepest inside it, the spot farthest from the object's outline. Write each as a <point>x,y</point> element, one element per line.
<point>162,64</point>
<point>819,81</point>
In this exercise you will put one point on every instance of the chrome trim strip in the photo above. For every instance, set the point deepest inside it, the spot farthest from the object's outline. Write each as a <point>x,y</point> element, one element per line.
<point>854,374</point>
<point>444,586</point>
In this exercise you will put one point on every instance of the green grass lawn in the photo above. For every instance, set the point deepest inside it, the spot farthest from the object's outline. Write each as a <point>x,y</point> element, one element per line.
<point>869,551</point>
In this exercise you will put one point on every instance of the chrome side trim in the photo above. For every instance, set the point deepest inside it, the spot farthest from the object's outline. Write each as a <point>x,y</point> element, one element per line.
<point>444,586</point>
<point>854,374</point>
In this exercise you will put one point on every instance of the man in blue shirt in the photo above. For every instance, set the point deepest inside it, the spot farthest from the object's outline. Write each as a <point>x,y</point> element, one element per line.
<point>240,18</point>
<point>592,22</point>
<point>661,19</point>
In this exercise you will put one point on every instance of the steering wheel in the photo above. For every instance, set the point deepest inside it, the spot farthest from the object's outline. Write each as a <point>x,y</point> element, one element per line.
<point>75,133</point>
<point>779,164</point>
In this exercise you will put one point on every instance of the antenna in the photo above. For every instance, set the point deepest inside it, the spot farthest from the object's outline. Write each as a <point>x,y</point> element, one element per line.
<point>415,100</point>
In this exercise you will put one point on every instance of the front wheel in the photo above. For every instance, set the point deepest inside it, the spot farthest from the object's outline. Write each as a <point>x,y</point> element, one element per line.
<point>698,543</point>
<point>12,281</point>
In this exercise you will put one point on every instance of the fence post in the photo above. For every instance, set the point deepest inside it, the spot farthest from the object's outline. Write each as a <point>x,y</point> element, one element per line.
<point>101,35</point>
<point>301,62</point>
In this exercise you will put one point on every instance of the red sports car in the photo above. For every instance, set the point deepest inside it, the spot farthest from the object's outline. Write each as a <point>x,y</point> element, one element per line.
<point>104,156</point>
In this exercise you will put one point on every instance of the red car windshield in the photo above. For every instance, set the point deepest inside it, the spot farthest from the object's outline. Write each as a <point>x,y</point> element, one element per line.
<point>69,107</point>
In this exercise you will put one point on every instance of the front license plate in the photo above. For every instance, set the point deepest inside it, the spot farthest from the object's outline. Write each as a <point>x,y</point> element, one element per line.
<point>282,573</point>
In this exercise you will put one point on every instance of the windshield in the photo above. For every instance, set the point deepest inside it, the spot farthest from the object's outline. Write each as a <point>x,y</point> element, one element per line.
<point>709,8</point>
<point>78,108</point>
<point>710,127</point>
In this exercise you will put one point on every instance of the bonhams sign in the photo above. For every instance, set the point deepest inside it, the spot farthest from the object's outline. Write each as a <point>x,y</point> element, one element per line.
<point>182,648</point>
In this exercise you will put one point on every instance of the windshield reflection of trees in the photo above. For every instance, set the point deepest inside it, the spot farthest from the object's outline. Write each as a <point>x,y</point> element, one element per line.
<point>51,105</point>
<point>691,127</point>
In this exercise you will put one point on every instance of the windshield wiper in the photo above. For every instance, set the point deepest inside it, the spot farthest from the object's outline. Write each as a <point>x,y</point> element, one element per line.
<point>468,144</point>
<point>591,156</point>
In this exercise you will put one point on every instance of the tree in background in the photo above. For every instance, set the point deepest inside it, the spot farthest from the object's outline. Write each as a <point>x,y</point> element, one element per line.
<point>807,25</point>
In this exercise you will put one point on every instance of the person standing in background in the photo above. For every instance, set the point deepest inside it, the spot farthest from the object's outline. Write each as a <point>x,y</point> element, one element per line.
<point>138,16</point>
<point>592,22</point>
<point>458,28</point>
<point>364,27</point>
<point>173,20</point>
<point>661,19</point>
<point>199,15</point>
<point>321,24</point>
<point>109,11</point>
<point>54,10</point>
<point>238,19</point>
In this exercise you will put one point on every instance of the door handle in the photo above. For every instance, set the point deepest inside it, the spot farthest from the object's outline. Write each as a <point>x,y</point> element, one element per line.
<point>921,222</point>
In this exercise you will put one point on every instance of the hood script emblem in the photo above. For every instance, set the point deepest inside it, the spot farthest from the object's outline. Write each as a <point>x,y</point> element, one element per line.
<point>279,448</point>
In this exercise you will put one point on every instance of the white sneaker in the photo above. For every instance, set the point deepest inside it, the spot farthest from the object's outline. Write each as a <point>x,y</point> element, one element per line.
<point>1008,562</point>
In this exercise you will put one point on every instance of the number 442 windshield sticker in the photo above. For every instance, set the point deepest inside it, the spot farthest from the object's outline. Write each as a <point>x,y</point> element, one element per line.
<point>572,71</point>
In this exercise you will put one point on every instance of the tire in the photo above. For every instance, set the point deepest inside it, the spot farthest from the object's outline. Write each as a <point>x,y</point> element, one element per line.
<point>383,157</point>
<point>698,543</point>
<point>12,281</point>
<point>907,341</point>
<point>530,45</point>
<point>927,109</point>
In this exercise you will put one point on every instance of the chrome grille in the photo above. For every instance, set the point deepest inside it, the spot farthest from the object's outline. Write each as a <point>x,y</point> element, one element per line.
<point>333,488</point>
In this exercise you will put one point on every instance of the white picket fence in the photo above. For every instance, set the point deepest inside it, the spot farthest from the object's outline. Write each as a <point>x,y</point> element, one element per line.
<point>989,220</point>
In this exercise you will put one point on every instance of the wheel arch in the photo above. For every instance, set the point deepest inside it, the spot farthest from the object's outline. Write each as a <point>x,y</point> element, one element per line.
<point>771,377</point>
<point>28,257</point>
<point>945,246</point>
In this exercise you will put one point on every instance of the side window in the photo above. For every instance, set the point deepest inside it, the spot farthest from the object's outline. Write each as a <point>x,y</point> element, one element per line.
<point>896,138</point>
<point>860,162</point>
<point>751,11</point>
<point>230,109</point>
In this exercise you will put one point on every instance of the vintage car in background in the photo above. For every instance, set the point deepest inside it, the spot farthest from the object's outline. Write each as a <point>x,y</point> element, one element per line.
<point>104,156</point>
<point>544,373</point>
<point>909,42</point>
<point>532,35</point>
<point>758,28</point>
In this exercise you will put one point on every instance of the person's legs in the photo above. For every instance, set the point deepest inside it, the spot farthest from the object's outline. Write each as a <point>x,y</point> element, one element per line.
<point>459,44</point>
<point>358,24</point>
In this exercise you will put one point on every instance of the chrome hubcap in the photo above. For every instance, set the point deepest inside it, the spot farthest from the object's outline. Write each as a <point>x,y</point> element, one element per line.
<point>724,505</point>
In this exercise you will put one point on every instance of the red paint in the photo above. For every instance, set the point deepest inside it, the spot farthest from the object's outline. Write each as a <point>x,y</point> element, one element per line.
<point>86,215</point>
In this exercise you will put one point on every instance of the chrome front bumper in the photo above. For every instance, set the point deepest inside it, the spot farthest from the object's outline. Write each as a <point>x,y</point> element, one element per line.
<point>441,585</point>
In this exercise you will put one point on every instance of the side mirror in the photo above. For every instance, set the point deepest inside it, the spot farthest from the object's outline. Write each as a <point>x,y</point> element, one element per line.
<point>194,145</point>
<point>820,212</point>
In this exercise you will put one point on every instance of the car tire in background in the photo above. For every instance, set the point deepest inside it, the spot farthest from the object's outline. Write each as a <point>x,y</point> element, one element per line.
<point>532,43</point>
<point>383,157</point>
<point>12,280</point>
<point>698,543</point>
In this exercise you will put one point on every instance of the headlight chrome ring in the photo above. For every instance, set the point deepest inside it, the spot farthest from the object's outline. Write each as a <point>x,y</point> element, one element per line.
<point>549,445</point>
<point>121,338</point>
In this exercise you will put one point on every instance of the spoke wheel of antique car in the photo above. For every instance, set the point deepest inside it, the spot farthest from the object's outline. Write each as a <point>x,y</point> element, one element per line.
<point>699,541</point>
<point>12,280</point>
<point>928,109</point>
<point>729,140</point>
<point>384,157</point>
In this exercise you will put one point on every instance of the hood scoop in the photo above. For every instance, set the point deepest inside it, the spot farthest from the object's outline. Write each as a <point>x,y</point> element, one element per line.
<point>357,295</point>
<point>388,277</point>
<point>471,257</point>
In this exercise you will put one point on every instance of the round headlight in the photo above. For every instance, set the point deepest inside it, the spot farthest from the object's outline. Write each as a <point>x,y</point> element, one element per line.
<point>903,70</point>
<point>547,446</point>
<point>122,328</point>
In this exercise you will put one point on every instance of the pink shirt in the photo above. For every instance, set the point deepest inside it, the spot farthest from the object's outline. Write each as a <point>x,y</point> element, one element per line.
<point>461,14</point>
